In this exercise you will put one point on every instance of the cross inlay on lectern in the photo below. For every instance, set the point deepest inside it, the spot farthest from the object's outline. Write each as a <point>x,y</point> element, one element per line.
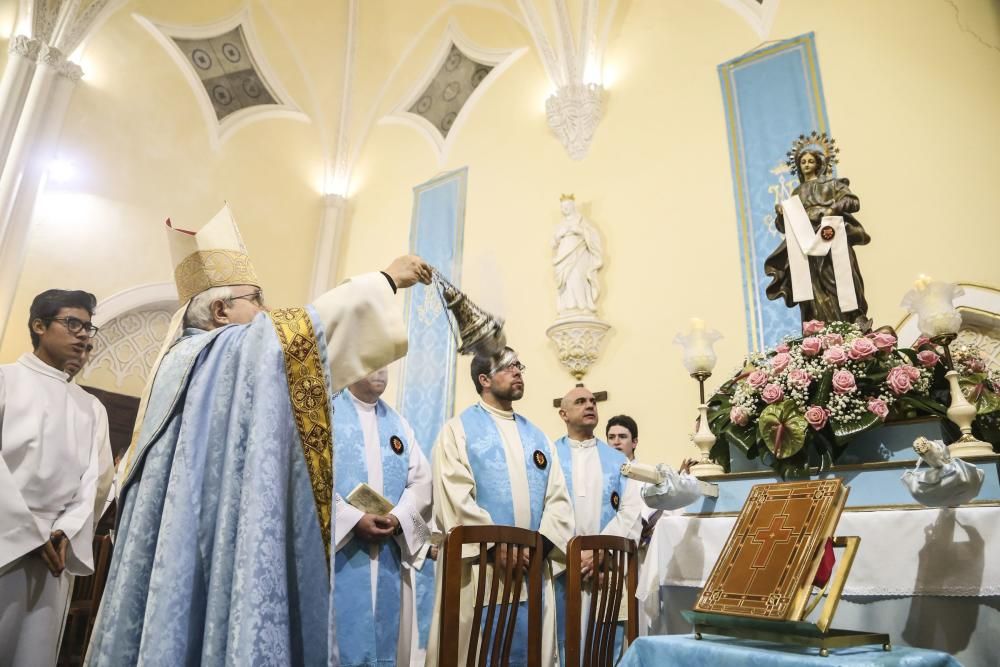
<point>770,537</point>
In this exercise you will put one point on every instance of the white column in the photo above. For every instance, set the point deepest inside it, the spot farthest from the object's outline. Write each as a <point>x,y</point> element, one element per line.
<point>331,234</point>
<point>33,148</point>
<point>14,87</point>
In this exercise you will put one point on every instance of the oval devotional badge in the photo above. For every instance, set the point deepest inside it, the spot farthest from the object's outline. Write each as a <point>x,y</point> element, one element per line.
<point>615,500</point>
<point>396,444</point>
<point>827,233</point>
<point>540,461</point>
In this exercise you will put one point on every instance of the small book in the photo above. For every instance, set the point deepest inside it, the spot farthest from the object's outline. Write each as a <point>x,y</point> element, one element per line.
<point>368,500</point>
<point>768,564</point>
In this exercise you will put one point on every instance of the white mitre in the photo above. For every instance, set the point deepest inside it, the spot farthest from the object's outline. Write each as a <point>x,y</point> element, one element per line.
<point>214,256</point>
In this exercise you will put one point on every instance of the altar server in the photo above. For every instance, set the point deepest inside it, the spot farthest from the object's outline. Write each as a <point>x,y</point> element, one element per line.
<point>54,448</point>
<point>377,553</point>
<point>223,545</point>
<point>604,501</point>
<point>511,476</point>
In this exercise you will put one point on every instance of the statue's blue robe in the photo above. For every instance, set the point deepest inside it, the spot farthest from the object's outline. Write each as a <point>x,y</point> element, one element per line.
<point>219,557</point>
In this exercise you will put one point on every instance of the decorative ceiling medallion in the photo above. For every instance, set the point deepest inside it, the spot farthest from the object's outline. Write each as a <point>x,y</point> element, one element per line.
<point>449,90</point>
<point>225,67</point>
<point>443,97</point>
<point>758,13</point>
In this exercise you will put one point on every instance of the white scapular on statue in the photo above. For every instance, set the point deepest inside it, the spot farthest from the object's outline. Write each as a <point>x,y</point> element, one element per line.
<point>577,258</point>
<point>947,483</point>
<point>666,489</point>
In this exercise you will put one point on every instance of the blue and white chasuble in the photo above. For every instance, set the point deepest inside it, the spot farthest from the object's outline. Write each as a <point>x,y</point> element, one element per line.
<point>612,495</point>
<point>495,467</point>
<point>368,636</point>
<point>220,555</point>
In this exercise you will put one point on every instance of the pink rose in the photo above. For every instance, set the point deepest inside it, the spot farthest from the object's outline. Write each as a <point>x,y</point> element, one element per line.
<point>912,371</point>
<point>920,342</point>
<point>799,378</point>
<point>835,356</point>
<point>884,341</point>
<point>816,416</point>
<point>831,339</point>
<point>780,361</point>
<point>928,358</point>
<point>879,408</point>
<point>899,380</point>
<point>976,365</point>
<point>772,393</point>
<point>757,379</point>
<point>811,346</point>
<point>812,327</point>
<point>782,347</point>
<point>861,348</point>
<point>739,416</point>
<point>843,382</point>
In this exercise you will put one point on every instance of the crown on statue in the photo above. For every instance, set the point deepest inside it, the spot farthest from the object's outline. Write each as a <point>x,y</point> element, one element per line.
<point>814,142</point>
<point>569,197</point>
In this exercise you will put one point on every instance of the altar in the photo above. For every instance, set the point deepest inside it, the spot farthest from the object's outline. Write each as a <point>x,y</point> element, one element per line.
<point>921,575</point>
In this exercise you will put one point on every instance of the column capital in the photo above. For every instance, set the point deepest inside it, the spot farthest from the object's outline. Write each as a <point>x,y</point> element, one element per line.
<point>26,47</point>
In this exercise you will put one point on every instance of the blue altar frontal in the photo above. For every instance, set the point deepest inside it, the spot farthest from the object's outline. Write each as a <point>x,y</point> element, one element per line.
<point>685,650</point>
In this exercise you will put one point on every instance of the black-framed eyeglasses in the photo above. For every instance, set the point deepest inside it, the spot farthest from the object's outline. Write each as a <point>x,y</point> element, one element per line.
<point>517,365</point>
<point>254,297</point>
<point>75,325</point>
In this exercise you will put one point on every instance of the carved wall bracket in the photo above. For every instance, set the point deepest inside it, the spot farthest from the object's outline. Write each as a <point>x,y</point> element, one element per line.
<point>573,113</point>
<point>578,342</point>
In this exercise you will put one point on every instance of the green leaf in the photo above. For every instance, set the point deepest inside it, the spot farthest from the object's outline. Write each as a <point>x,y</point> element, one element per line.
<point>924,404</point>
<point>845,431</point>
<point>742,437</point>
<point>783,429</point>
<point>824,389</point>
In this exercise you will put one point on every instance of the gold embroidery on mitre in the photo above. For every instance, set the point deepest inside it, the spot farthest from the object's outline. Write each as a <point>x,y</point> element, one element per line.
<point>205,269</point>
<point>311,407</point>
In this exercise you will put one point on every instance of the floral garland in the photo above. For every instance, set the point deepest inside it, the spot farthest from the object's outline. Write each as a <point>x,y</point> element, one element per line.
<point>815,393</point>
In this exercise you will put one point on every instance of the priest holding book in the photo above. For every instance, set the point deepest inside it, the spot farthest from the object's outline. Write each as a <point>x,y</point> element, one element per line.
<point>383,504</point>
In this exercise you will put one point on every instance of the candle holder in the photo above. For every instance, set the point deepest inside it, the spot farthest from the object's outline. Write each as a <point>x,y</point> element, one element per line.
<point>704,439</point>
<point>699,360</point>
<point>960,411</point>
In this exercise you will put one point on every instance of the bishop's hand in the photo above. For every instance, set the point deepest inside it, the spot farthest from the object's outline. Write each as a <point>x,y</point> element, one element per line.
<point>408,270</point>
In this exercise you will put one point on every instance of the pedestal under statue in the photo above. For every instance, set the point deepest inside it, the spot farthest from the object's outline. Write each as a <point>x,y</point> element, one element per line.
<point>815,266</point>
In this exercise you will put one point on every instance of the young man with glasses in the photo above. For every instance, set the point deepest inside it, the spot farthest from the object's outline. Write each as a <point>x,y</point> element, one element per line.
<point>492,466</point>
<point>54,449</point>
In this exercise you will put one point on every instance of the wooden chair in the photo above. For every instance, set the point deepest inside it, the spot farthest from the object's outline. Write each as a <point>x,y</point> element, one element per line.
<point>616,575</point>
<point>491,636</point>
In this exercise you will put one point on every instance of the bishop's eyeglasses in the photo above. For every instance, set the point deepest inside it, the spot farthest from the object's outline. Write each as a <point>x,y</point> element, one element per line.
<point>75,325</point>
<point>254,297</point>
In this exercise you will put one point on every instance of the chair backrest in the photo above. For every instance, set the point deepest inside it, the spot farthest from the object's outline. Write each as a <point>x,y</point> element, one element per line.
<point>616,575</point>
<point>494,617</point>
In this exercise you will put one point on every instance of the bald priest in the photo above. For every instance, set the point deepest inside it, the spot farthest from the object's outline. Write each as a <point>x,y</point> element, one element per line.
<point>223,547</point>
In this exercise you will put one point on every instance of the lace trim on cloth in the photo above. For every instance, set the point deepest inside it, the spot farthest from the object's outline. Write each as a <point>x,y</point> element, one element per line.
<point>310,404</point>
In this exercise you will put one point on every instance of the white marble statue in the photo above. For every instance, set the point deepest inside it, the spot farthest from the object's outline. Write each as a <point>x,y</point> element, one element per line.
<point>577,258</point>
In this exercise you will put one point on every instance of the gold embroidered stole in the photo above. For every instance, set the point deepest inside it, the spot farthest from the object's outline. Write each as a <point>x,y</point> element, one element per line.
<point>307,390</point>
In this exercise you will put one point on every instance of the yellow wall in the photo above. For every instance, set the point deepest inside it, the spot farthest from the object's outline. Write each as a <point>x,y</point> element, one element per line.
<point>913,103</point>
<point>142,153</point>
<point>912,97</point>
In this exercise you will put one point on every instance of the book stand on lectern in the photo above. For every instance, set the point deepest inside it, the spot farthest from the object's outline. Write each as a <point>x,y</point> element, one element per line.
<point>761,585</point>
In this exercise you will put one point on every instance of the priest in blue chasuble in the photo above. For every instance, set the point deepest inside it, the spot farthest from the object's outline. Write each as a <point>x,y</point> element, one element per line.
<point>377,553</point>
<point>223,545</point>
<point>493,466</point>
<point>604,501</point>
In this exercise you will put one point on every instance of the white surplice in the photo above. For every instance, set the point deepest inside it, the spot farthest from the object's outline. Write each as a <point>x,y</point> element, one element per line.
<point>54,448</point>
<point>455,505</point>
<point>413,512</point>
<point>588,495</point>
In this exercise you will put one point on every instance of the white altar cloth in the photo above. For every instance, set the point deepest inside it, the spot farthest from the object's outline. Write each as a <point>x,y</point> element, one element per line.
<point>939,552</point>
